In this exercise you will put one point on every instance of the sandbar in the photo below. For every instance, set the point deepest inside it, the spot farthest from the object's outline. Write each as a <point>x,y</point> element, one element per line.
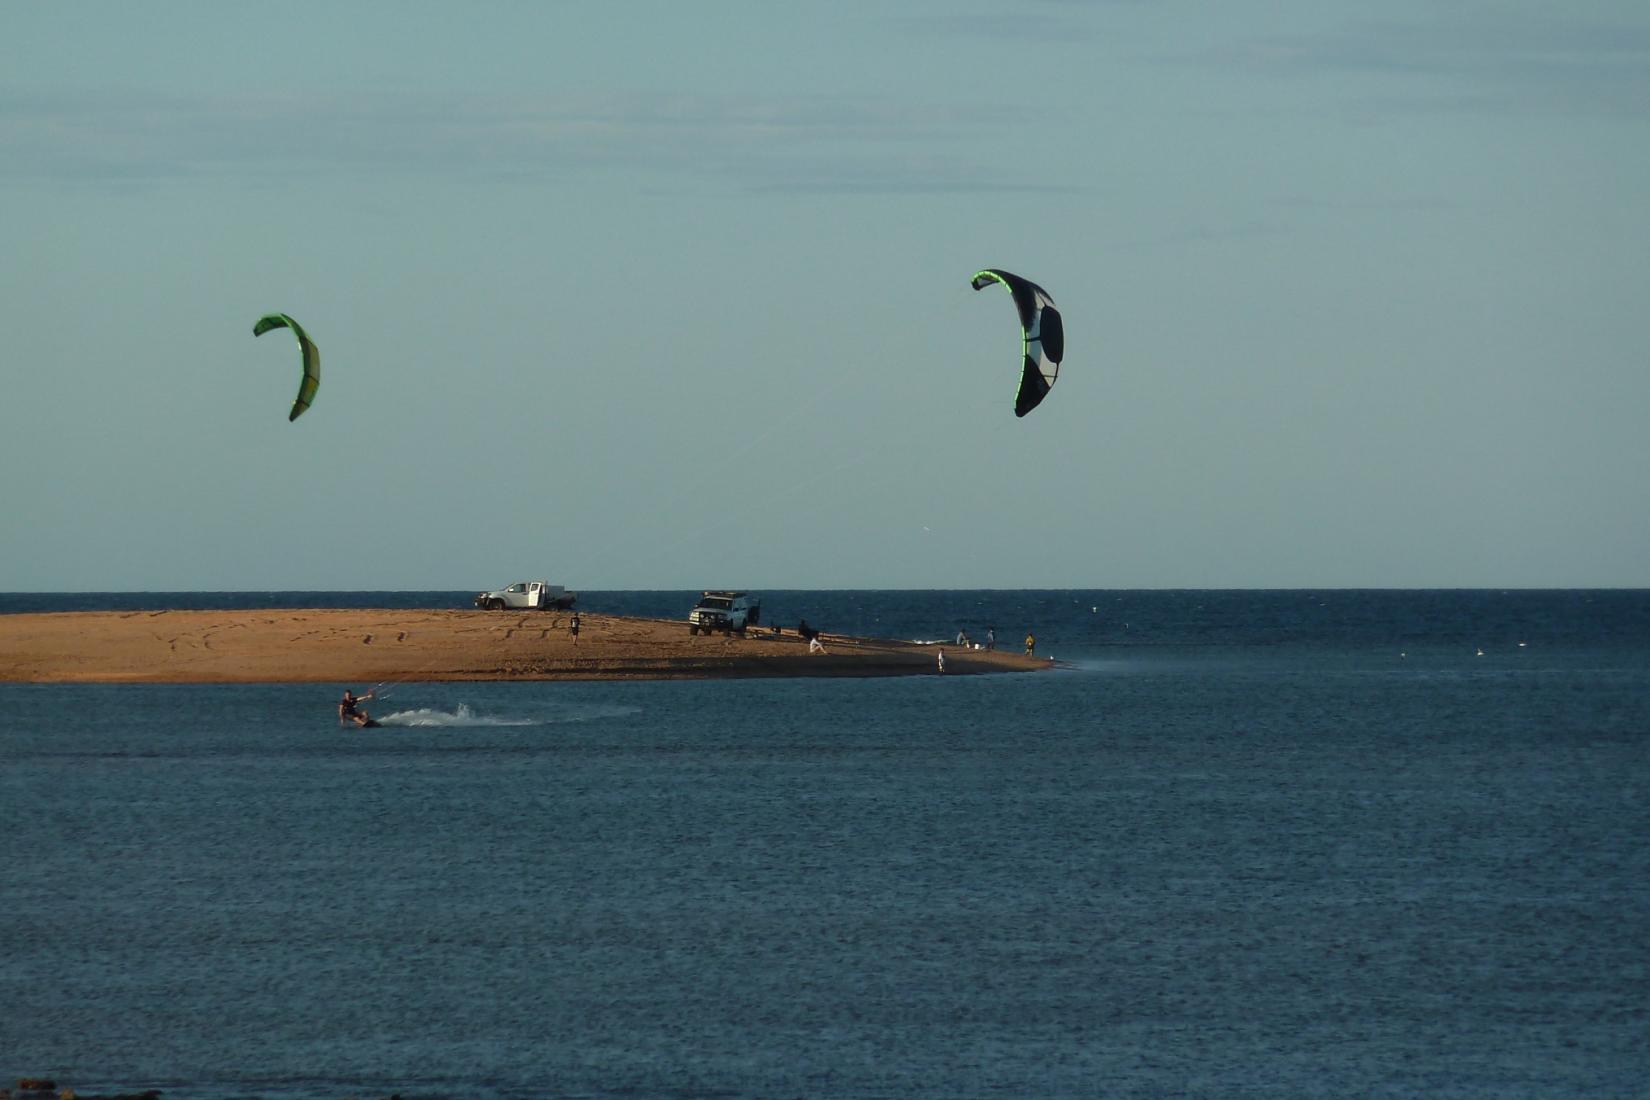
<point>314,645</point>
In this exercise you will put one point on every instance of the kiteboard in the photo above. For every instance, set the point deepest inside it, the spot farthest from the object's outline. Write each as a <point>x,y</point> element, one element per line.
<point>369,724</point>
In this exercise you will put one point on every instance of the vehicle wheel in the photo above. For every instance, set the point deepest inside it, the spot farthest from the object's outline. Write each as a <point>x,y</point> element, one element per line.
<point>495,605</point>
<point>693,631</point>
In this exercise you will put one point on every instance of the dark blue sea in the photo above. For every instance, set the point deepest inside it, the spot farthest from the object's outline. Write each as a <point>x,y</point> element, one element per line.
<point>1237,844</point>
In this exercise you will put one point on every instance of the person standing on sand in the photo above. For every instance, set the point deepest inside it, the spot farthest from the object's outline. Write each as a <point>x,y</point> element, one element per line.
<point>942,662</point>
<point>990,638</point>
<point>573,628</point>
<point>1031,644</point>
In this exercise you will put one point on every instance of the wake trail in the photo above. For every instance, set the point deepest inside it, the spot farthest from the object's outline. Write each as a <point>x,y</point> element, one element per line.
<point>464,717</point>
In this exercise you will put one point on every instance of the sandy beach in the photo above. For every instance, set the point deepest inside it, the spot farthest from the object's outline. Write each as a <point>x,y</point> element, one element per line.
<point>373,646</point>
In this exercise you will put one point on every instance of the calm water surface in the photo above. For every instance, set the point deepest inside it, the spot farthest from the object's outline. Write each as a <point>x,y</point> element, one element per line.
<point>1241,844</point>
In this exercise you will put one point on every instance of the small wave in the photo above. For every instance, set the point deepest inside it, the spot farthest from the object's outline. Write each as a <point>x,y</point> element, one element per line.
<point>1089,664</point>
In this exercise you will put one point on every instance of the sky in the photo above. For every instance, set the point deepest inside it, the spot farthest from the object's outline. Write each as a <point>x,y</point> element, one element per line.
<point>662,295</point>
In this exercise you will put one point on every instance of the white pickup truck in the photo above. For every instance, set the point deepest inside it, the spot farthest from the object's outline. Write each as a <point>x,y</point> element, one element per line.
<point>527,596</point>
<point>729,612</point>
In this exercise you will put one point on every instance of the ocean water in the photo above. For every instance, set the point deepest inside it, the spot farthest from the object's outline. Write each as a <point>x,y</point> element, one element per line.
<point>1237,844</point>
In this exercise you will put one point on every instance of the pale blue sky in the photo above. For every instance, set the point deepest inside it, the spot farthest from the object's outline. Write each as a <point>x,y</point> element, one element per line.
<point>677,295</point>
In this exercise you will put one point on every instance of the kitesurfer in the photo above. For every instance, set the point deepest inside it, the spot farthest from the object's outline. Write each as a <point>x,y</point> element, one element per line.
<point>349,708</point>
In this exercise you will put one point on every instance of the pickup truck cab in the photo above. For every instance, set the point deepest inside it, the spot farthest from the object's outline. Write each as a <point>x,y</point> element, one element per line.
<point>527,596</point>
<point>728,612</point>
